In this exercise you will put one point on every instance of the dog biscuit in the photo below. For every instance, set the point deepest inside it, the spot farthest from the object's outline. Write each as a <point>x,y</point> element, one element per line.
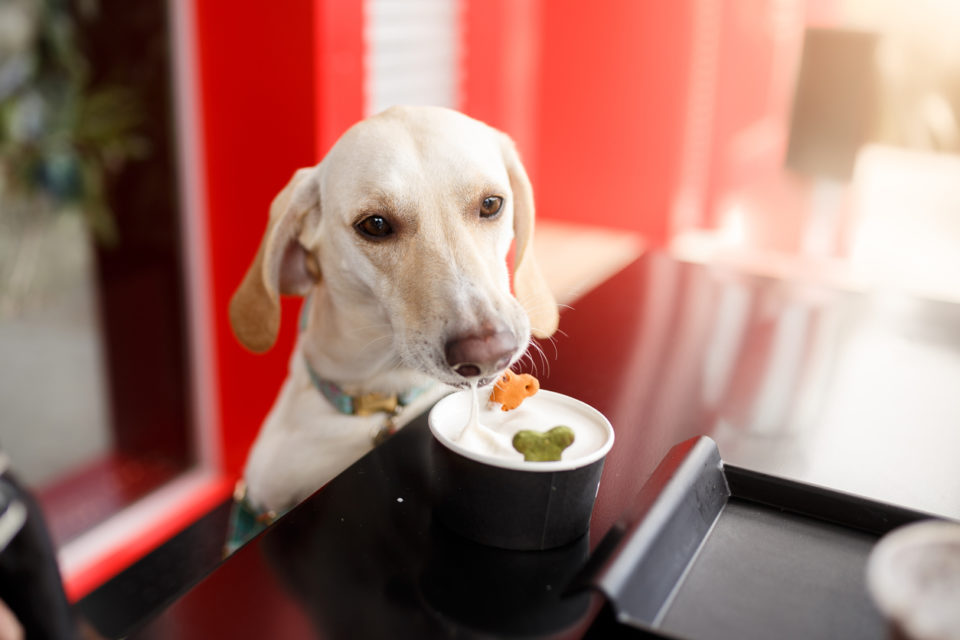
<point>512,389</point>
<point>543,447</point>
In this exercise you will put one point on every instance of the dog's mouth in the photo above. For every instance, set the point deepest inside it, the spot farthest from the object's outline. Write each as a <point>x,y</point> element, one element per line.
<point>481,382</point>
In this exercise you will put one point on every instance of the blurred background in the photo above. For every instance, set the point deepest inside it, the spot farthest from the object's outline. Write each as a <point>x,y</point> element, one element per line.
<point>141,143</point>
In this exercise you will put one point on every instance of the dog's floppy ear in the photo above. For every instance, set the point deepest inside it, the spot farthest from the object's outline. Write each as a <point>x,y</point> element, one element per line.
<point>529,285</point>
<point>282,265</point>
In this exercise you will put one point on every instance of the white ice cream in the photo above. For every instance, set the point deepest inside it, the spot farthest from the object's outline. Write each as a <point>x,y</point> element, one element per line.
<point>485,432</point>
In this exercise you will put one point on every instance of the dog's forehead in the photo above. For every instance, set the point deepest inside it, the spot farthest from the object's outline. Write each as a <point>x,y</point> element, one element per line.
<point>416,148</point>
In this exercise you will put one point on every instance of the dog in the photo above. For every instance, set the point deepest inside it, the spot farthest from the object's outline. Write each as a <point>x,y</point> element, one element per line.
<point>399,241</point>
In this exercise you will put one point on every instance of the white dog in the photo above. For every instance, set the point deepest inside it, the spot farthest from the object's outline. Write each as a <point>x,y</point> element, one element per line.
<point>399,238</point>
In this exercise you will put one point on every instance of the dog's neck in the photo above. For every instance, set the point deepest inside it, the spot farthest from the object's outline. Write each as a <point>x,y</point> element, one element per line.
<point>352,346</point>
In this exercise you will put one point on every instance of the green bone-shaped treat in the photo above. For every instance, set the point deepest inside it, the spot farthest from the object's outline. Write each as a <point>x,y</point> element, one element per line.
<point>546,446</point>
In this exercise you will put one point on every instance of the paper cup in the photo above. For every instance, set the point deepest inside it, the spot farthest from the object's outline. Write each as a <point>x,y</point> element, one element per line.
<point>913,575</point>
<point>515,504</point>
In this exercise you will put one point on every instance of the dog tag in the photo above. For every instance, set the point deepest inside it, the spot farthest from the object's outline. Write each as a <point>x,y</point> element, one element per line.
<point>371,403</point>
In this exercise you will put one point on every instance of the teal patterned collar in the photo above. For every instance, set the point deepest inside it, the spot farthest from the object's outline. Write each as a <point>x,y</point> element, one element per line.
<point>364,404</point>
<point>357,405</point>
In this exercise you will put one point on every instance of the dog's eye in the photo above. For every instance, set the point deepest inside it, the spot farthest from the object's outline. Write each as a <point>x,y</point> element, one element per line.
<point>490,206</point>
<point>374,227</point>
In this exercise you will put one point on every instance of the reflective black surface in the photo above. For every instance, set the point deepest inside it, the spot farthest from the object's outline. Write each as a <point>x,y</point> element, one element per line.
<point>856,391</point>
<point>364,559</point>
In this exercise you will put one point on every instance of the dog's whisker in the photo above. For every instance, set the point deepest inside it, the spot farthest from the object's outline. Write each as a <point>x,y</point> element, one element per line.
<point>369,344</point>
<point>553,342</point>
<point>521,361</point>
<point>534,349</point>
<point>543,354</point>
<point>535,365</point>
<point>527,356</point>
<point>543,357</point>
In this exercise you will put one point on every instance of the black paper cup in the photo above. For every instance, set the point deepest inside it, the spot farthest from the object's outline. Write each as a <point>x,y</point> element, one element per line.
<point>515,504</point>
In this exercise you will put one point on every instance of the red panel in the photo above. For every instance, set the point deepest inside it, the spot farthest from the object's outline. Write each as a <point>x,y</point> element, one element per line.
<point>594,95</point>
<point>255,71</point>
<point>501,44</point>
<point>338,52</point>
<point>758,49</point>
<point>276,88</point>
<point>612,96</point>
<point>482,85</point>
<point>597,97</point>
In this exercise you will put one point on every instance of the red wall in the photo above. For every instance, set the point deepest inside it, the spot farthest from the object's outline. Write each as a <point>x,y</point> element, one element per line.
<point>759,47</point>
<point>262,75</point>
<point>500,67</point>
<point>612,89</point>
<point>338,69</point>
<point>599,98</point>
<point>599,119</point>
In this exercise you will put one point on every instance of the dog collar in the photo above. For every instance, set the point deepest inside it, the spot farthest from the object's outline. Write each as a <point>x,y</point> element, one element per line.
<point>357,405</point>
<point>363,404</point>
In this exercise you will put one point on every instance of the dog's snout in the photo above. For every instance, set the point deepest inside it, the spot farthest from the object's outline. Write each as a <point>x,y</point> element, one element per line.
<point>481,354</point>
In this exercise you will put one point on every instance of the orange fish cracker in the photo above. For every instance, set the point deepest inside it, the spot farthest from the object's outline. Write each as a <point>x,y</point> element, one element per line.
<point>512,389</point>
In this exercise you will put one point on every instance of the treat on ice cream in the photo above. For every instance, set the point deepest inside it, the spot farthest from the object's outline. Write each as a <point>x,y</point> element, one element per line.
<point>483,429</point>
<point>513,388</point>
<point>543,447</point>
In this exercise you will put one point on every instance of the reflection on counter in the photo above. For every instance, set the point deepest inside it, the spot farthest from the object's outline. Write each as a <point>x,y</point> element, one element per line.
<point>511,594</point>
<point>852,390</point>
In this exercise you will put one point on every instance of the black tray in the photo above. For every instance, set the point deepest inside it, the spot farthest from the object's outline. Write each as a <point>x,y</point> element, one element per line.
<point>723,552</point>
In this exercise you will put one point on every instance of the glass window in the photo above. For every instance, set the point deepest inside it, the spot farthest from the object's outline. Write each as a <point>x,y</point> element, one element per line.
<point>94,381</point>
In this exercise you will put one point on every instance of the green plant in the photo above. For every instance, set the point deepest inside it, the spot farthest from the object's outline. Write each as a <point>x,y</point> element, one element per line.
<point>61,136</point>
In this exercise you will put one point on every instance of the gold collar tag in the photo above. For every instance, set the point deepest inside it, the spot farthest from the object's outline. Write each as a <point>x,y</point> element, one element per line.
<point>370,403</point>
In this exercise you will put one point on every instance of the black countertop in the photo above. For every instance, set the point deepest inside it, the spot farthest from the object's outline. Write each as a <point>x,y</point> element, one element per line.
<point>851,390</point>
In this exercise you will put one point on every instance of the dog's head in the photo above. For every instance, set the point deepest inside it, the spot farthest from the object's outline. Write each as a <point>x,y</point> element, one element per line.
<point>408,221</point>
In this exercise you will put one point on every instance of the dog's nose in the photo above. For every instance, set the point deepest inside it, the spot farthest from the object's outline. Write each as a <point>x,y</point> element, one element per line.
<point>481,354</point>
